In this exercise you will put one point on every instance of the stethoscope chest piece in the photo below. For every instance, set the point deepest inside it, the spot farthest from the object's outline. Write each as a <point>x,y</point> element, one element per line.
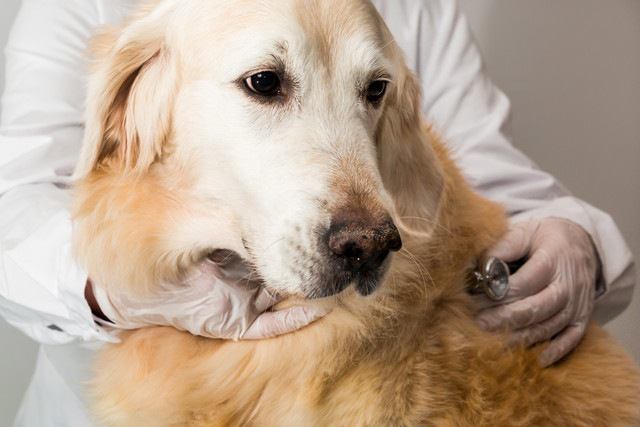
<point>491,278</point>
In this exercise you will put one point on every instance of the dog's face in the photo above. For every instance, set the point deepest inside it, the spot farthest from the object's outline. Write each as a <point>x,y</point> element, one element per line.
<point>275,111</point>
<point>278,118</point>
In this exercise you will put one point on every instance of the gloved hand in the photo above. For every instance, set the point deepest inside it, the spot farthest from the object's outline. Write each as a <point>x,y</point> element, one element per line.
<point>218,300</point>
<point>552,295</point>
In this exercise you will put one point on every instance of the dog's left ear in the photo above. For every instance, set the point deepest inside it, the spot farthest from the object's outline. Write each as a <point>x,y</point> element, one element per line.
<point>129,98</point>
<point>410,168</point>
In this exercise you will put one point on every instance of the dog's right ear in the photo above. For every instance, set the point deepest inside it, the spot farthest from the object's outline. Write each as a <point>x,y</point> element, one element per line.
<point>129,98</point>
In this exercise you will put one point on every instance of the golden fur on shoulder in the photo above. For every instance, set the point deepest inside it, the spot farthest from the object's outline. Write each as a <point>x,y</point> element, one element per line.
<point>408,355</point>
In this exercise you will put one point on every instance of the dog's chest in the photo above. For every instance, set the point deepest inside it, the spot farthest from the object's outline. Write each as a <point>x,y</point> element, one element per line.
<point>377,393</point>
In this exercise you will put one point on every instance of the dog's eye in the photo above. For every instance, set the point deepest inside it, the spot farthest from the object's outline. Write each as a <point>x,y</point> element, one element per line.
<point>264,83</point>
<point>376,91</point>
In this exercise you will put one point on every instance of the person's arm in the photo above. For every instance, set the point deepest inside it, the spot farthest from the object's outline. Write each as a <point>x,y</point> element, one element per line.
<point>472,114</point>
<point>41,287</point>
<point>575,255</point>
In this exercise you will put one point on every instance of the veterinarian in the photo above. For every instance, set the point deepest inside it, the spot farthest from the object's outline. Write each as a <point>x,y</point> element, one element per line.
<point>578,266</point>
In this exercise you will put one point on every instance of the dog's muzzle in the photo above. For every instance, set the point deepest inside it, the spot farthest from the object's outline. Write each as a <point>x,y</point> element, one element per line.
<point>357,250</point>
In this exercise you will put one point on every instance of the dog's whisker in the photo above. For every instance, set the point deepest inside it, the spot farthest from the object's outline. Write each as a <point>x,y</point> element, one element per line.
<point>431,222</point>
<point>424,274</point>
<point>270,245</point>
<point>227,258</point>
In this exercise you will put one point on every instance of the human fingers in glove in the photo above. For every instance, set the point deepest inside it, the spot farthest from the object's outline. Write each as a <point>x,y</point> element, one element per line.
<point>217,300</point>
<point>552,296</point>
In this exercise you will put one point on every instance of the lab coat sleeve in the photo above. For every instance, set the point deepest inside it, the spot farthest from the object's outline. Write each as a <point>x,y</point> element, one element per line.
<point>41,286</point>
<point>472,115</point>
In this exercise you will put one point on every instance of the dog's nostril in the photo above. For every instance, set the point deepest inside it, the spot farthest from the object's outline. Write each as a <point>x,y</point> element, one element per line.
<point>395,243</point>
<point>363,246</point>
<point>343,246</point>
<point>351,250</point>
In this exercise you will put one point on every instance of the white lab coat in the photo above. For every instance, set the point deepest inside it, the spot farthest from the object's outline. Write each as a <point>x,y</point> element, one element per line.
<point>42,288</point>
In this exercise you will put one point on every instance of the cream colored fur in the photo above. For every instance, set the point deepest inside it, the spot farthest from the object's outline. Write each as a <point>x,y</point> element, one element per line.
<point>410,354</point>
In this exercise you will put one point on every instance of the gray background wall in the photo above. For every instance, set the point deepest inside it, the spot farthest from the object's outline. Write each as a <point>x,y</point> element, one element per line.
<point>572,71</point>
<point>17,352</point>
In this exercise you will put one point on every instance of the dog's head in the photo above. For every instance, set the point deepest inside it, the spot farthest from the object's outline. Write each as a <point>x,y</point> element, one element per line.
<point>289,127</point>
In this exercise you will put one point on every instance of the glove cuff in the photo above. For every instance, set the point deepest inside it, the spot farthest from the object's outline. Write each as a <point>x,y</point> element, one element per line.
<point>114,318</point>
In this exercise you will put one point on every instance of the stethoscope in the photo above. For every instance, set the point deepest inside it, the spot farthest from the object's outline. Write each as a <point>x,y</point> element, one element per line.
<point>491,277</point>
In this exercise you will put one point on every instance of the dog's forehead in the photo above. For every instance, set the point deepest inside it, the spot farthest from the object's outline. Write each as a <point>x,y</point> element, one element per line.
<point>338,33</point>
<point>336,27</point>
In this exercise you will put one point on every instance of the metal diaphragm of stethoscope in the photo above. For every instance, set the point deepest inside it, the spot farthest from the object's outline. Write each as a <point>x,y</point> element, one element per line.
<point>491,277</point>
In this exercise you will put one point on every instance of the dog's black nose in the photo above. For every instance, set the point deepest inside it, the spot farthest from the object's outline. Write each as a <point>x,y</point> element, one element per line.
<point>361,246</point>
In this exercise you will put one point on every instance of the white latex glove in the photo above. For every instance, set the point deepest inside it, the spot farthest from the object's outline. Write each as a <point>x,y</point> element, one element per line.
<point>551,297</point>
<point>215,301</point>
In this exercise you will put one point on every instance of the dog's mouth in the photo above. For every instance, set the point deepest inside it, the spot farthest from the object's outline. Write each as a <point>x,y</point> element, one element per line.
<point>329,282</point>
<point>225,257</point>
<point>235,268</point>
<point>335,281</point>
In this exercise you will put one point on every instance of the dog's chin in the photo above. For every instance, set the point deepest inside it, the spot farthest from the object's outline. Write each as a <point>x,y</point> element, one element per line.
<point>365,283</point>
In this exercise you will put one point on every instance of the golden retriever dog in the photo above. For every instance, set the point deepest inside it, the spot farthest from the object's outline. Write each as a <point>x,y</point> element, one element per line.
<point>290,132</point>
